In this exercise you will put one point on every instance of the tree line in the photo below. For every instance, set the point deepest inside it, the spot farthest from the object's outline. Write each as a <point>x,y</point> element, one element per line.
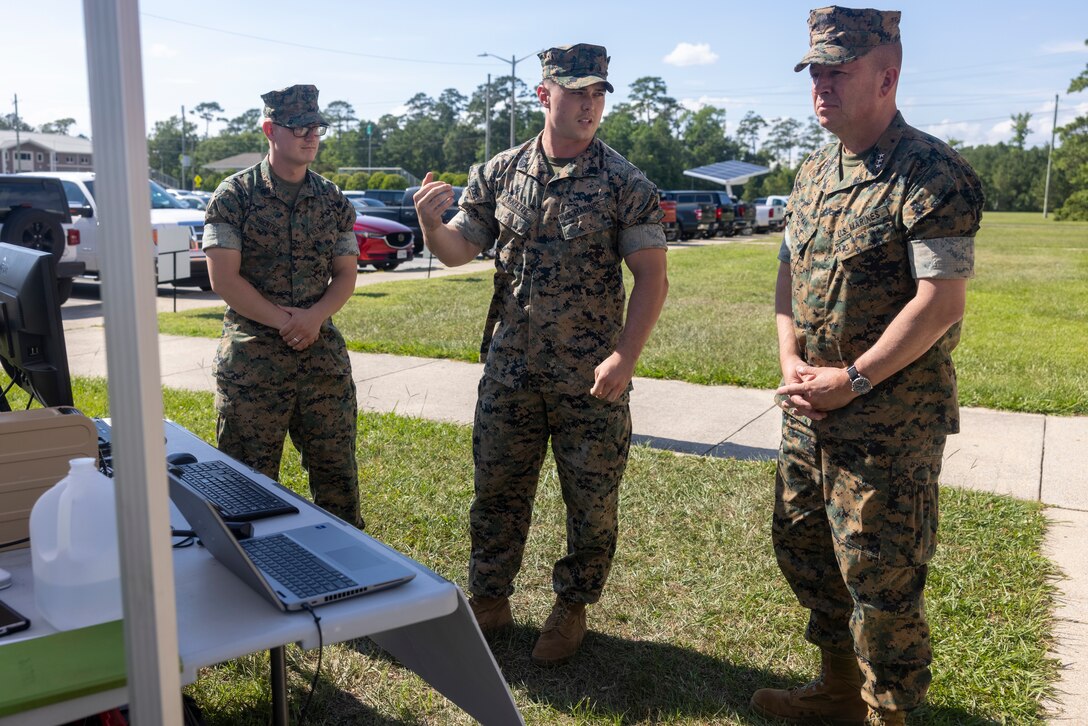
<point>449,133</point>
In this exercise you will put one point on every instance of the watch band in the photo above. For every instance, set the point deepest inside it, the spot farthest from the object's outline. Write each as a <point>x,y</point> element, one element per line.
<point>858,383</point>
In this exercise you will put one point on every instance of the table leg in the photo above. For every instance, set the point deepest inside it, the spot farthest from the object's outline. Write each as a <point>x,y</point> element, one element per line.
<point>278,665</point>
<point>451,654</point>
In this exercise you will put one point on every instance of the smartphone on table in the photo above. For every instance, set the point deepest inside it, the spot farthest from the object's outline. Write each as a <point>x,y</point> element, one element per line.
<point>11,621</point>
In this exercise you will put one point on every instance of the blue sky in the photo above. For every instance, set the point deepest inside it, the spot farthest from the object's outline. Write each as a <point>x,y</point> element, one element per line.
<point>967,66</point>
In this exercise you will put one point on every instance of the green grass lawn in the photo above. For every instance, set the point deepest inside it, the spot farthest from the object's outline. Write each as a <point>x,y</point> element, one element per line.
<point>1022,348</point>
<point>695,617</point>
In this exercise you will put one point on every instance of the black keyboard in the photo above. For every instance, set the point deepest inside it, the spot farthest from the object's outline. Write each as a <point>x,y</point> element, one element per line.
<point>105,451</point>
<point>237,497</point>
<point>296,567</point>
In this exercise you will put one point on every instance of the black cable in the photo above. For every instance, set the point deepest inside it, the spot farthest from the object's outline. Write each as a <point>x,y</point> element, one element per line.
<point>188,535</point>
<point>317,671</point>
<point>12,543</point>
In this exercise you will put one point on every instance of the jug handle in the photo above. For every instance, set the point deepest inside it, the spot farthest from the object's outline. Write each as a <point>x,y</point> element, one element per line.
<point>64,519</point>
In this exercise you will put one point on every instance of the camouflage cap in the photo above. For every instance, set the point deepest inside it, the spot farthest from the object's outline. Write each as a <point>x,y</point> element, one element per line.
<point>840,35</point>
<point>293,107</point>
<point>576,66</point>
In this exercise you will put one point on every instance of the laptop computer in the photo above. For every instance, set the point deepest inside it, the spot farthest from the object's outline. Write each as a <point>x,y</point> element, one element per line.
<point>309,565</point>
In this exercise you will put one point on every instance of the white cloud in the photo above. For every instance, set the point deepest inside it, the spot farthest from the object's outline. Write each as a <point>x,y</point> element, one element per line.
<point>970,133</point>
<point>691,54</point>
<point>1001,131</point>
<point>161,50</point>
<point>694,104</point>
<point>976,133</point>
<point>1065,46</point>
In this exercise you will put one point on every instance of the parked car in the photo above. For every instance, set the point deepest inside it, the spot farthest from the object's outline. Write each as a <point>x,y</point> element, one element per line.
<point>770,213</point>
<point>744,216</point>
<point>725,214</point>
<point>672,231</point>
<point>362,204</point>
<point>400,207</point>
<point>695,213</point>
<point>33,212</point>
<point>383,243</point>
<point>192,201</point>
<point>166,211</point>
<point>388,197</point>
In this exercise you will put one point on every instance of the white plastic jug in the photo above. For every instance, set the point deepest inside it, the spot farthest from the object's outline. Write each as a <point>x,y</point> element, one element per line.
<point>73,549</point>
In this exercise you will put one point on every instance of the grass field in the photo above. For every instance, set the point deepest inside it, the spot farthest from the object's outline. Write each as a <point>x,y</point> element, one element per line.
<point>1022,348</point>
<point>695,616</point>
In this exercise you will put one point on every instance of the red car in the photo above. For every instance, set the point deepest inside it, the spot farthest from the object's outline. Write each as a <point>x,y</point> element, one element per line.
<point>382,242</point>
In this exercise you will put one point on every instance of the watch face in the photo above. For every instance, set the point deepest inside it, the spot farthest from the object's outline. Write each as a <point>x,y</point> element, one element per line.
<point>861,385</point>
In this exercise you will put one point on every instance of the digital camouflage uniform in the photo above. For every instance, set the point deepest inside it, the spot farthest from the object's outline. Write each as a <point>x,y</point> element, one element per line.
<point>855,517</point>
<point>264,388</point>
<point>556,313</point>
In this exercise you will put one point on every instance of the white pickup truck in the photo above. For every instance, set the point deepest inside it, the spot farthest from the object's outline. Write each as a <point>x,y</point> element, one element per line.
<point>770,213</point>
<point>166,211</point>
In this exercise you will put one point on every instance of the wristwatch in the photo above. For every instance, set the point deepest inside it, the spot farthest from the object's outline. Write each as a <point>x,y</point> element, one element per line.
<point>859,384</point>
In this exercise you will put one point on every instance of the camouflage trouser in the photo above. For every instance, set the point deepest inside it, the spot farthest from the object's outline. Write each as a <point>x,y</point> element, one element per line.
<point>590,440</point>
<point>855,525</point>
<point>321,415</point>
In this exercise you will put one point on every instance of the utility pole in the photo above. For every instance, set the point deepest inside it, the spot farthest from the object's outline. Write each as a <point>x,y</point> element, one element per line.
<point>18,144</point>
<point>487,119</point>
<point>369,136</point>
<point>513,100</point>
<point>513,88</point>
<point>184,159</point>
<point>1050,156</point>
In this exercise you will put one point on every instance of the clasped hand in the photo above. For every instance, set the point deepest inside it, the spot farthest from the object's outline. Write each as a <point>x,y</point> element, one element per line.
<point>301,329</point>
<point>812,391</point>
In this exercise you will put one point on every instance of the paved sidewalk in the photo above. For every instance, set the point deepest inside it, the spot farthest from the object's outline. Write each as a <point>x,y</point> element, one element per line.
<point>1027,456</point>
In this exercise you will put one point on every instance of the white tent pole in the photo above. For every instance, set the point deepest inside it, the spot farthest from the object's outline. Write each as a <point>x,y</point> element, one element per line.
<point>128,296</point>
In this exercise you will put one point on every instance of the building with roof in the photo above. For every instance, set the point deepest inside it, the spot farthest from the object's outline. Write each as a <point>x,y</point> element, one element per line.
<point>31,151</point>
<point>236,162</point>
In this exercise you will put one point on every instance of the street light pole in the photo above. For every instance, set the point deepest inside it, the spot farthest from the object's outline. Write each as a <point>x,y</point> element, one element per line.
<point>1050,156</point>
<point>513,94</point>
<point>487,119</point>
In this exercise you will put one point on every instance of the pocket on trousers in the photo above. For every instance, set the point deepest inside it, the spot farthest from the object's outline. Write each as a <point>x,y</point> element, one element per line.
<point>909,535</point>
<point>884,502</point>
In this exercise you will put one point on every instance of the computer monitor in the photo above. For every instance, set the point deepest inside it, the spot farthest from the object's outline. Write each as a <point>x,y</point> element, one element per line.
<point>32,350</point>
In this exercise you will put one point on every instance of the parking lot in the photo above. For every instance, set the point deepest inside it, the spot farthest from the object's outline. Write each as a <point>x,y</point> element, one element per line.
<point>84,308</point>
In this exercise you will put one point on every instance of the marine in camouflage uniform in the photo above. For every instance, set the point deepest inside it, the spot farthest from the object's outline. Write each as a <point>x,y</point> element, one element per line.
<point>563,227</point>
<point>856,512</point>
<point>289,236</point>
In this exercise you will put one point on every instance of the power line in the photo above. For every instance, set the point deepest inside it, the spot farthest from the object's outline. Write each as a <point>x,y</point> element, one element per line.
<point>309,47</point>
<point>961,121</point>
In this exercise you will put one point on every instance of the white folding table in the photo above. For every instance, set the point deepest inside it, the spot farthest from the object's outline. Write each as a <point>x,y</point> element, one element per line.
<point>425,624</point>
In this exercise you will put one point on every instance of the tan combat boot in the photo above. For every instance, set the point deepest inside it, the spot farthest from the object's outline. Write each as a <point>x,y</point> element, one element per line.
<point>833,698</point>
<point>562,633</point>
<point>492,613</point>
<point>886,718</point>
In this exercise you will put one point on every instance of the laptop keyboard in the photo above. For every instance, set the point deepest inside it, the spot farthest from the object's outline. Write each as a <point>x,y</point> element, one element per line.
<point>237,497</point>
<point>294,566</point>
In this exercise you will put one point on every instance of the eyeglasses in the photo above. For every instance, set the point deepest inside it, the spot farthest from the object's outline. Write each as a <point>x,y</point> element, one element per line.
<point>302,132</point>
